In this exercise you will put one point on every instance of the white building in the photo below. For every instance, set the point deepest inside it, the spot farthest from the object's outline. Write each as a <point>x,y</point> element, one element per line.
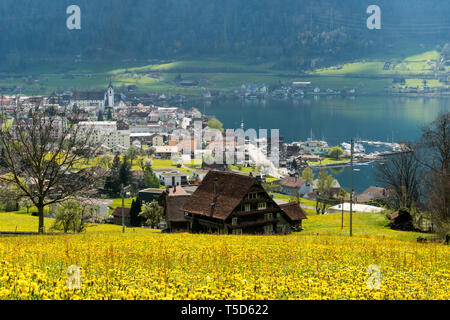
<point>103,127</point>
<point>117,138</point>
<point>91,101</point>
<point>106,133</point>
<point>170,178</point>
<point>110,95</point>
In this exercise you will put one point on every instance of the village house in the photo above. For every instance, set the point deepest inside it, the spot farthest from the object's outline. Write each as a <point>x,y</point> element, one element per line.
<point>372,194</point>
<point>334,189</point>
<point>186,145</point>
<point>156,140</point>
<point>295,186</point>
<point>164,152</point>
<point>150,194</point>
<point>171,178</point>
<point>314,147</point>
<point>94,210</point>
<point>153,116</point>
<point>232,203</point>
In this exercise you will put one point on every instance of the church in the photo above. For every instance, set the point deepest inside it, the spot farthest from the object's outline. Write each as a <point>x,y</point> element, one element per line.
<point>94,101</point>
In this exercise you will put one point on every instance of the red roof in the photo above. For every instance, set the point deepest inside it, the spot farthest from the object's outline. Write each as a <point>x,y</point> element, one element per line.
<point>177,191</point>
<point>292,182</point>
<point>230,190</point>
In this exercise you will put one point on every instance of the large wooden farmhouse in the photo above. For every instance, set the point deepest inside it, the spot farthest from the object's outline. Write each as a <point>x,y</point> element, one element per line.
<point>229,203</point>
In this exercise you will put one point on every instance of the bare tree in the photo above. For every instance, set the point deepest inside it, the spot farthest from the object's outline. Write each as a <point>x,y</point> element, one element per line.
<point>40,157</point>
<point>400,174</point>
<point>434,155</point>
<point>325,183</point>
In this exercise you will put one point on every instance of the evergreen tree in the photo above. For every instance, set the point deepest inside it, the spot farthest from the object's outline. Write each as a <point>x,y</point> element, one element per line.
<point>112,185</point>
<point>133,214</point>
<point>116,163</point>
<point>150,179</point>
<point>125,172</point>
<point>112,181</point>
<point>138,211</point>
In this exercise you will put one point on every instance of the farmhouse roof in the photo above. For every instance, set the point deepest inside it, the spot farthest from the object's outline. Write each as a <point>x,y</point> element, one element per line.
<point>229,189</point>
<point>293,211</point>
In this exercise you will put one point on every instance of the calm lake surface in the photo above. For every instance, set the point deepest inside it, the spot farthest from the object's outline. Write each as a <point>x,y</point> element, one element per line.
<point>335,120</point>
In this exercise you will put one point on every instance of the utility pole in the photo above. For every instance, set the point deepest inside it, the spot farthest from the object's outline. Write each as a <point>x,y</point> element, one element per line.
<point>351,187</point>
<point>342,218</point>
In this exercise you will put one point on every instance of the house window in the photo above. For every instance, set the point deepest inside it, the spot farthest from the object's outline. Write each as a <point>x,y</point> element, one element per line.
<point>247,207</point>
<point>268,216</point>
<point>268,228</point>
<point>234,221</point>
<point>262,206</point>
<point>253,195</point>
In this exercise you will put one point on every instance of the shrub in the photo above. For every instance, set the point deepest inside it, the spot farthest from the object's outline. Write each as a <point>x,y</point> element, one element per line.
<point>69,217</point>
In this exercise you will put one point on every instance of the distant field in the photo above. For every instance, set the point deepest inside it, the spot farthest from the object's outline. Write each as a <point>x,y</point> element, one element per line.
<point>226,76</point>
<point>417,64</point>
<point>328,161</point>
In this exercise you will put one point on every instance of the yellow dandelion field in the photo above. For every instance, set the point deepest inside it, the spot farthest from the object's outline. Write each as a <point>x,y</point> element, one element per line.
<point>150,265</point>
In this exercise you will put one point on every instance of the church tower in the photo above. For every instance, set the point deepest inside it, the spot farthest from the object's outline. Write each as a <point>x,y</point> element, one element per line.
<point>110,95</point>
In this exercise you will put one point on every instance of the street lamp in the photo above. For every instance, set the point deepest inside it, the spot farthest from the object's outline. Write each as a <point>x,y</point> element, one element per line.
<point>124,189</point>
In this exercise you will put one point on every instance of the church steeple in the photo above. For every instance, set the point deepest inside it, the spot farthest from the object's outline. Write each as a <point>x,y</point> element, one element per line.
<point>110,95</point>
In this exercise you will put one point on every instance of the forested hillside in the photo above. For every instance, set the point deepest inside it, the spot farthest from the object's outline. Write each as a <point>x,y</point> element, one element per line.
<point>296,33</point>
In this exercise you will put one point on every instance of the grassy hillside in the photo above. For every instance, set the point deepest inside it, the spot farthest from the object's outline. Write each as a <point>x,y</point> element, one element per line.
<point>422,64</point>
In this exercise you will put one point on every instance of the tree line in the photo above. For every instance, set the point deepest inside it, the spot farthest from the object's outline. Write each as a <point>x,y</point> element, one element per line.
<point>296,33</point>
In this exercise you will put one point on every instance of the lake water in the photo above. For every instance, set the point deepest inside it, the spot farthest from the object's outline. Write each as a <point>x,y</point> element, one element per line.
<point>335,120</point>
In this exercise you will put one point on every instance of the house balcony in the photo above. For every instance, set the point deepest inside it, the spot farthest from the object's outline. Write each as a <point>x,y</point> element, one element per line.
<point>248,224</point>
